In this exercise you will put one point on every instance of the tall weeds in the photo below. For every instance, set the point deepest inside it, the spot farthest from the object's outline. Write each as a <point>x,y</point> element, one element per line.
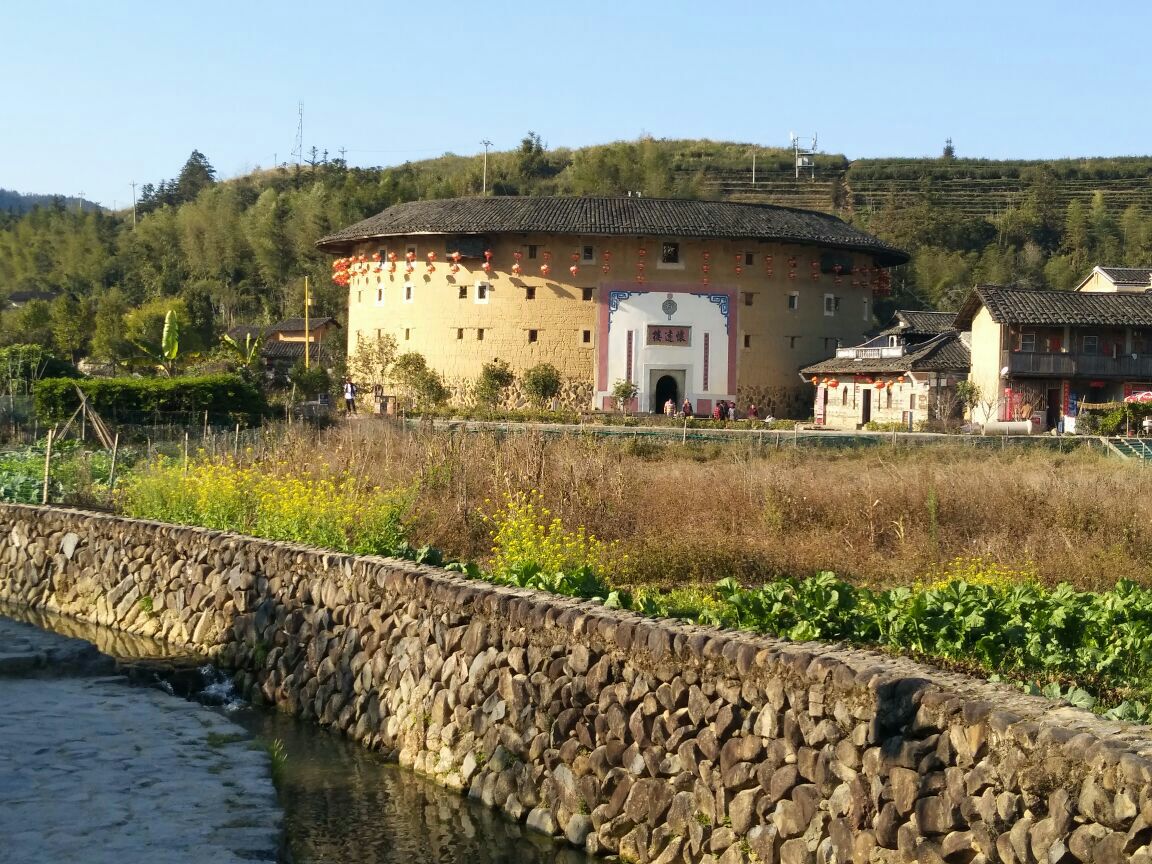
<point>693,514</point>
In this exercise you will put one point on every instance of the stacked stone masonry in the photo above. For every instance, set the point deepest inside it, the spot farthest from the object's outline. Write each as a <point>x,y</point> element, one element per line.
<point>649,739</point>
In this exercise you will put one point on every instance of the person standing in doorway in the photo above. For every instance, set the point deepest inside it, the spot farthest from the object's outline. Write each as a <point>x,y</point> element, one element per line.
<point>669,407</point>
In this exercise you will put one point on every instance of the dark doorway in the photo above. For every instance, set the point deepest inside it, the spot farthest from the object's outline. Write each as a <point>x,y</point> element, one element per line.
<point>1054,406</point>
<point>665,389</point>
<point>866,406</point>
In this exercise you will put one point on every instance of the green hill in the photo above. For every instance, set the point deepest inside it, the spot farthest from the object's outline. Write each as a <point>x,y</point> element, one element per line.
<point>238,250</point>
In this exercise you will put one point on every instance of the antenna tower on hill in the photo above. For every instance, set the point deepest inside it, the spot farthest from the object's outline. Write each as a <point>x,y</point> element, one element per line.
<point>804,153</point>
<point>298,150</point>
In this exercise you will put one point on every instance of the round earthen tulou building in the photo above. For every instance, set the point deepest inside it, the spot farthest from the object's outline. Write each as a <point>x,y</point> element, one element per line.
<point>696,300</point>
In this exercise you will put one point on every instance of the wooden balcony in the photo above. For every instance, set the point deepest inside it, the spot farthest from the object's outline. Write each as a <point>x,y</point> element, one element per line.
<point>1024,364</point>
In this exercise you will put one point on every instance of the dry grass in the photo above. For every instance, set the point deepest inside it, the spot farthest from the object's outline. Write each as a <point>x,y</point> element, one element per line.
<point>697,513</point>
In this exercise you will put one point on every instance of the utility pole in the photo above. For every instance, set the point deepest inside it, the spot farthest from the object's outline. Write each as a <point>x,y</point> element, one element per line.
<point>307,332</point>
<point>484,183</point>
<point>80,202</point>
<point>133,185</point>
<point>342,152</point>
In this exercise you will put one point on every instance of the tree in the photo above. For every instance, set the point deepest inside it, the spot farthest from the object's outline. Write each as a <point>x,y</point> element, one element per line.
<point>70,327</point>
<point>624,392</point>
<point>542,383</point>
<point>108,342</point>
<point>417,384</point>
<point>196,176</point>
<point>370,362</point>
<point>495,378</point>
<point>164,351</point>
<point>949,151</point>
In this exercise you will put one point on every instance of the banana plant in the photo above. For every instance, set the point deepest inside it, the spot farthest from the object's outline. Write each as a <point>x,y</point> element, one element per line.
<point>164,355</point>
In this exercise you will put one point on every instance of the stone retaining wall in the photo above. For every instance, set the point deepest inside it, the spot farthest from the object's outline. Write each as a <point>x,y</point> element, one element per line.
<point>651,739</point>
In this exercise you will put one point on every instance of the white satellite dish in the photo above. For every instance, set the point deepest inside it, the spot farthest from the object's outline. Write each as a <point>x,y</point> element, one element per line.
<point>1004,372</point>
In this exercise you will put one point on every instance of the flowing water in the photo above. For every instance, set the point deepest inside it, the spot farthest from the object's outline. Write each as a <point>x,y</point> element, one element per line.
<point>342,804</point>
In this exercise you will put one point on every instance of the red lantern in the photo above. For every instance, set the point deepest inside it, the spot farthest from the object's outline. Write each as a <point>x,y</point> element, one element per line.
<point>739,269</point>
<point>833,383</point>
<point>410,256</point>
<point>900,379</point>
<point>547,256</point>
<point>815,380</point>
<point>705,280</point>
<point>487,265</point>
<point>573,269</point>
<point>409,267</point>
<point>487,254</point>
<point>640,278</point>
<point>767,260</point>
<point>879,385</point>
<point>706,254</point>
<point>605,269</point>
<point>544,270</point>
<point>575,257</point>
<point>517,255</point>
<point>455,256</point>
<point>642,252</point>
<point>640,266</point>
<point>375,256</point>
<point>516,269</point>
<point>431,267</point>
<point>455,268</point>
<point>431,256</point>
<point>391,256</point>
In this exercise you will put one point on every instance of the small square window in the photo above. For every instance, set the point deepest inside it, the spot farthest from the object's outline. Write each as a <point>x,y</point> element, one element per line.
<point>532,251</point>
<point>407,292</point>
<point>479,334</point>
<point>588,254</point>
<point>530,293</point>
<point>586,336</point>
<point>359,296</point>
<point>462,292</point>
<point>586,295</point>
<point>912,402</point>
<point>792,341</point>
<point>670,253</point>
<point>1091,344</point>
<point>481,292</point>
<point>747,341</point>
<point>749,259</point>
<point>793,301</point>
<point>831,304</point>
<point>379,295</point>
<point>748,299</point>
<point>1028,342</point>
<point>459,332</point>
<point>407,334</point>
<point>533,335</point>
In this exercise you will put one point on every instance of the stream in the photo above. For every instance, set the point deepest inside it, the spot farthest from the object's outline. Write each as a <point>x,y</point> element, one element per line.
<point>343,804</point>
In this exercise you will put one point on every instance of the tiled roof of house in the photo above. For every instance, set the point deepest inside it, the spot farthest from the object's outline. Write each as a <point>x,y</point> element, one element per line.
<point>1129,275</point>
<point>1028,306</point>
<point>914,322</point>
<point>666,217</point>
<point>277,350</point>
<point>294,325</point>
<point>945,352</point>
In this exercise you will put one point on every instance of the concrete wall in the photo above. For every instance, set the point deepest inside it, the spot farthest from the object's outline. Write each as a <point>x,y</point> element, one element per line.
<point>443,326</point>
<point>654,740</point>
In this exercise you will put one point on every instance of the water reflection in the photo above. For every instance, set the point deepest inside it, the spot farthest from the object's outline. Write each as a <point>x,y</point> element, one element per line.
<point>345,805</point>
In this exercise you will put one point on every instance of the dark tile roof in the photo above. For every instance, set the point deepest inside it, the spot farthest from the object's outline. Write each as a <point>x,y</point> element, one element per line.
<point>914,322</point>
<point>945,352</point>
<point>665,217</point>
<point>296,325</point>
<point>1129,275</point>
<point>277,350</point>
<point>243,331</point>
<point>1056,308</point>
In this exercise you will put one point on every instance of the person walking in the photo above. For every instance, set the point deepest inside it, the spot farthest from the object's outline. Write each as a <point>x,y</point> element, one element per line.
<point>349,397</point>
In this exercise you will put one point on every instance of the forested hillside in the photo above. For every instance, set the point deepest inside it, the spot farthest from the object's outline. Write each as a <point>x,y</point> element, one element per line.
<point>220,253</point>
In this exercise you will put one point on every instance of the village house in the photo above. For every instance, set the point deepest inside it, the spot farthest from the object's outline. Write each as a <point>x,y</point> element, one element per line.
<point>282,344</point>
<point>1044,355</point>
<point>696,300</point>
<point>907,374</point>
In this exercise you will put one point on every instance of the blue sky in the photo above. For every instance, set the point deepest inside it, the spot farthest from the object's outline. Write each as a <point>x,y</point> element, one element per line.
<point>95,96</point>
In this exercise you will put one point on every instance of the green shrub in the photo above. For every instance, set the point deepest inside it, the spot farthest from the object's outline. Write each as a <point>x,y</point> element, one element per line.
<point>222,396</point>
<point>494,379</point>
<point>542,382</point>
